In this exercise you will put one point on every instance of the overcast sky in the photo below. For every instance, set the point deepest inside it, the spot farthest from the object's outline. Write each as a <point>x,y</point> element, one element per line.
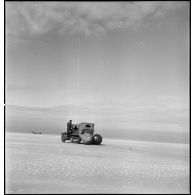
<point>133,60</point>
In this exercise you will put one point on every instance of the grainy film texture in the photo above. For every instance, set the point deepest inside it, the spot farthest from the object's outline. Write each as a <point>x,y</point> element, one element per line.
<point>120,72</point>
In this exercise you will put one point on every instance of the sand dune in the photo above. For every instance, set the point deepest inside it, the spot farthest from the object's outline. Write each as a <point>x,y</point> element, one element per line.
<point>43,164</point>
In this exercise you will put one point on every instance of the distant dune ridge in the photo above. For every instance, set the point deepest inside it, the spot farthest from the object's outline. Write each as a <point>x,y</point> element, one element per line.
<point>53,120</point>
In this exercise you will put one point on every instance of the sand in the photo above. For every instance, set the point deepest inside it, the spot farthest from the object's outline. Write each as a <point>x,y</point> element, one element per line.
<point>43,164</point>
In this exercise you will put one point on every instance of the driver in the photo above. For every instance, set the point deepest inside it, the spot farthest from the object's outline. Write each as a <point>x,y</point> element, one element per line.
<point>69,127</point>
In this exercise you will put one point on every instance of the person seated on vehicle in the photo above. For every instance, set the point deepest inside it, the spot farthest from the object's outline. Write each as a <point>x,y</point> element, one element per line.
<point>69,127</point>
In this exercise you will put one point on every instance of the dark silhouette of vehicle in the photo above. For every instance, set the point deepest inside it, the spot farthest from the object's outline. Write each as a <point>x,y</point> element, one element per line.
<point>36,132</point>
<point>81,133</point>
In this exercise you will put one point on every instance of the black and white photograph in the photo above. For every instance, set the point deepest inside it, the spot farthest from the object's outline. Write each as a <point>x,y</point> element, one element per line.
<point>97,97</point>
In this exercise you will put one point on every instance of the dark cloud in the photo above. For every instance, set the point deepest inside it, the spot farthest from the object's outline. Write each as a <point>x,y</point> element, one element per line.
<point>88,18</point>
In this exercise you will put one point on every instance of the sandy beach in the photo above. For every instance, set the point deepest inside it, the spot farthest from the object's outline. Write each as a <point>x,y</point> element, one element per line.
<point>43,164</point>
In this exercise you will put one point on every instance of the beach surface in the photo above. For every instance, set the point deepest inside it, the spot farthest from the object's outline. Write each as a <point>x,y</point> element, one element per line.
<point>41,163</point>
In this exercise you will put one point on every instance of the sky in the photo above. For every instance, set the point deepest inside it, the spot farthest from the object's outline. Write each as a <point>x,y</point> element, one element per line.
<point>118,64</point>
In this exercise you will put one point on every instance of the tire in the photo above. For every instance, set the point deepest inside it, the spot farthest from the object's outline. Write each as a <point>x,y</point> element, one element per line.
<point>71,140</point>
<point>97,139</point>
<point>63,140</point>
<point>78,141</point>
<point>87,138</point>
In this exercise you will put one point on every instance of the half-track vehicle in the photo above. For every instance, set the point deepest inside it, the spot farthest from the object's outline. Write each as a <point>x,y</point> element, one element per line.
<point>81,133</point>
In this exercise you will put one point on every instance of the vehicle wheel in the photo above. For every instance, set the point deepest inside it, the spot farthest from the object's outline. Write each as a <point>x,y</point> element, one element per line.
<point>97,139</point>
<point>63,140</point>
<point>71,140</point>
<point>87,138</point>
<point>78,141</point>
